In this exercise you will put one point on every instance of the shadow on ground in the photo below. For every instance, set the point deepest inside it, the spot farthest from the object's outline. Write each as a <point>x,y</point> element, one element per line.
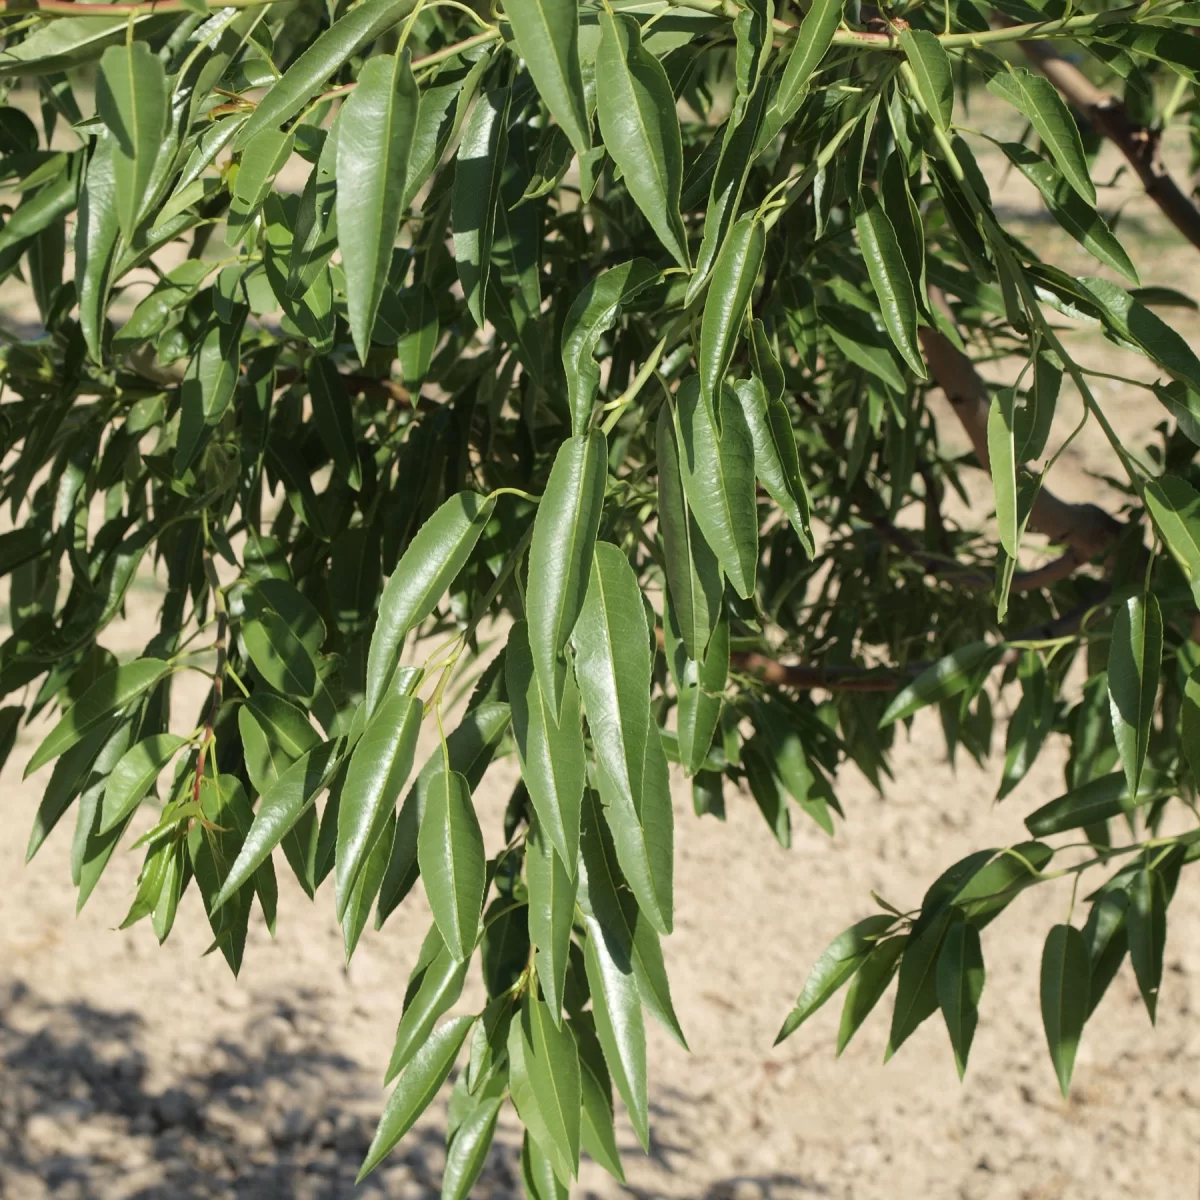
<point>270,1115</point>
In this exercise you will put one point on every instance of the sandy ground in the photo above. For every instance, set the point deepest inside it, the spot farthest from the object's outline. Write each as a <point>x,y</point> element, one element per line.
<point>130,1071</point>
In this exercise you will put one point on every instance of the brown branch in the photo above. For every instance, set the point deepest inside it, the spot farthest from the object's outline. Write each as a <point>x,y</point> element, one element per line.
<point>1140,145</point>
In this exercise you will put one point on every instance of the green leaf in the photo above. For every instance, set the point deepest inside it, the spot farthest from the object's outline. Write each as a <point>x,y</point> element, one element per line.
<point>357,907</point>
<point>282,659</point>
<point>931,69</point>
<point>545,1082</point>
<point>597,1135</point>
<point>62,43</point>
<point>281,806</point>
<point>694,584</point>
<point>426,569</point>
<point>617,1009</point>
<point>468,1149</point>
<point>640,127</point>
<point>868,985</point>
<point>1133,322</point>
<point>917,991</point>
<point>1147,922</point>
<point>1107,937</point>
<point>1134,660</point>
<point>767,792</point>
<point>612,665</point>
<point>113,691</point>
<point>422,1080</point>
<point>592,314</point>
<point>1065,972</point>
<point>134,775</point>
<point>1037,99</point>
<point>538,1174</point>
<point>96,234</point>
<point>717,467</point>
<point>334,48</point>
<point>992,888</point>
<point>547,36</point>
<point>478,173</point>
<point>1074,214</point>
<point>451,858</point>
<point>334,417</point>
<point>439,983</point>
<point>734,276</point>
<point>560,557</point>
<point>131,99</point>
<point>776,462</point>
<point>208,386</point>
<point>837,963</point>
<point>1190,723</point>
<point>550,750</point>
<point>375,132</point>
<point>960,978</point>
<point>1002,456</point>
<point>470,748</point>
<point>890,278</point>
<point>813,39</point>
<point>1174,506</point>
<point>629,935</point>
<point>948,677</point>
<point>378,771</point>
<point>551,914</point>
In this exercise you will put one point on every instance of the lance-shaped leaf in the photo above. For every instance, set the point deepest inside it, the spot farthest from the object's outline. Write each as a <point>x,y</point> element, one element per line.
<point>547,34</point>
<point>435,984</point>
<point>96,234</point>
<point>734,276</point>
<point>612,663</point>
<point>131,99</point>
<point>478,175</point>
<point>593,313</point>
<point>1002,458</point>
<point>208,386</point>
<point>112,692</point>
<point>948,677</point>
<point>1094,801</point>
<point>451,858</point>
<point>717,467</point>
<point>931,70</point>
<point>468,1148</point>
<point>551,913</point>
<point>1146,919</point>
<point>699,686</point>
<point>282,659</point>
<point>1037,99</point>
<point>134,776</point>
<point>694,583</point>
<point>916,991</point>
<point>837,963</point>
<point>560,555</point>
<point>374,136</point>
<point>332,413</point>
<point>1065,974</point>
<point>776,462</point>
<point>889,277</point>
<point>620,1028</point>
<point>960,978</point>
<point>470,748</point>
<point>314,237</point>
<point>546,1088</point>
<point>737,155</point>
<point>426,569</point>
<point>868,985</point>
<point>629,935</point>
<point>597,1135</point>
<point>420,1083</point>
<point>1134,660</point>
<point>330,51</point>
<point>378,771</point>
<point>813,40</point>
<point>1072,212</point>
<point>284,802</point>
<point>640,127</point>
<point>1174,506</point>
<point>550,748</point>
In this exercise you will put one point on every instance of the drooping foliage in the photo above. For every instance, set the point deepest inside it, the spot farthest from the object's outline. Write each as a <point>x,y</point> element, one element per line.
<point>564,378</point>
